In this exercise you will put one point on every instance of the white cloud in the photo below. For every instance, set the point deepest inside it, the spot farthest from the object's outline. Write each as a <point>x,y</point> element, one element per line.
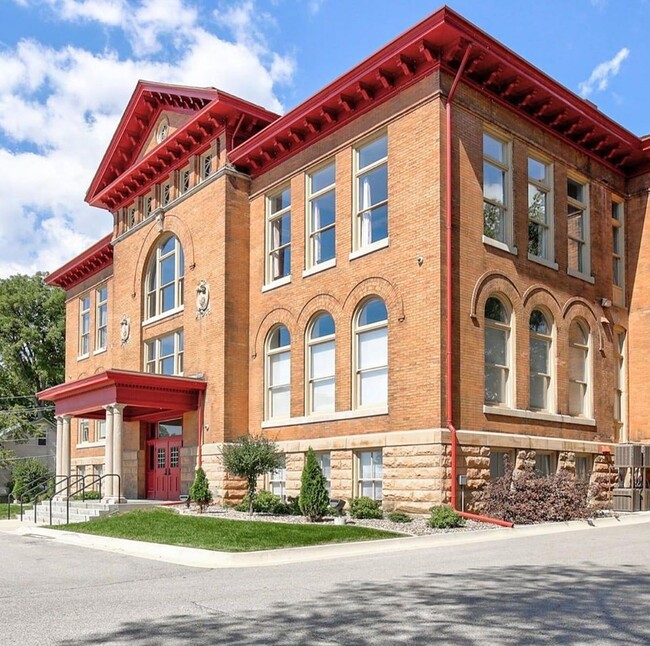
<point>59,108</point>
<point>602,73</point>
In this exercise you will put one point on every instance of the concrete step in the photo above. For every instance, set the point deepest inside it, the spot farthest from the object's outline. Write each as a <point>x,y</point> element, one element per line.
<point>80,511</point>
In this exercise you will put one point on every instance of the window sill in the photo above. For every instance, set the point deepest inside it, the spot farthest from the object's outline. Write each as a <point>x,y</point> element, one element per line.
<point>328,264</point>
<point>100,351</point>
<point>90,445</point>
<point>161,317</point>
<point>330,417</point>
<point>500,245</point>
<point>81,357</point>
<point>375,246</point>
<point>285,280</point>
<point>542,417</point>
<point>581,276</point>
<point>543,261</point>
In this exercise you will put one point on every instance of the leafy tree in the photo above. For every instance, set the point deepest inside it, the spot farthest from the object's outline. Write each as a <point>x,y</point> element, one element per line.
<point>200,490</point>
<point>250,457</point>
<point>314,499</point>
<point>28,475</point>
<point>32,352</point>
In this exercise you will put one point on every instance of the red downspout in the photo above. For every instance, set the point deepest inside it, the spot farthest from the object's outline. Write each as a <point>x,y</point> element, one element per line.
<point>449,301</point>
<point>200,415</point>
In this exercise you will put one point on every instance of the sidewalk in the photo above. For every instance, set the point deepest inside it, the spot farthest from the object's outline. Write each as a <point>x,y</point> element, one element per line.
<point>193,557</point>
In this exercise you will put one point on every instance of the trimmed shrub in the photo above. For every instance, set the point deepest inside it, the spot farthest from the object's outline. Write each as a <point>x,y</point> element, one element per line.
<point>314,499</point>
<point>444,517</point>
<point>87,495</point>
<point>27,476</point>
<point>265,502</point>
<point>365,508</point>
<point>200,490</point>
<point>399,517</point>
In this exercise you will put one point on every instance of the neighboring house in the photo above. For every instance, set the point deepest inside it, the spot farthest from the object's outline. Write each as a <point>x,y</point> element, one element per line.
<point>333,279</point>
<point>42,447</point>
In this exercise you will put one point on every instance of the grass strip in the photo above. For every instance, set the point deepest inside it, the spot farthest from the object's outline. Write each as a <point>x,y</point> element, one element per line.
<point>15,510</point>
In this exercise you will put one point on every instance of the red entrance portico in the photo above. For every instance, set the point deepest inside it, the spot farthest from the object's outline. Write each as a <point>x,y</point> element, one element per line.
<point>121,396</point>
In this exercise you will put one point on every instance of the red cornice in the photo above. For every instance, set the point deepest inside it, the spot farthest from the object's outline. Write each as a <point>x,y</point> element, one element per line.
<point>495,70</point>
<point>86,264</point>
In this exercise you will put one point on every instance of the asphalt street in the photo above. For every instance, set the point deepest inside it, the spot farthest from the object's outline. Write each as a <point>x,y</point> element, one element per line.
<point>582,587</point>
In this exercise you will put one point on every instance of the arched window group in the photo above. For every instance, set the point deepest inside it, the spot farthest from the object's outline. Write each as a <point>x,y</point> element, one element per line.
<point>499,360</point>
<point>164,280</point>
<point>370,363</point>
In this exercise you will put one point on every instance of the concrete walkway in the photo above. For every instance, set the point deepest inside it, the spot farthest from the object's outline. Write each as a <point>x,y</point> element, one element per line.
<point>200,558</point>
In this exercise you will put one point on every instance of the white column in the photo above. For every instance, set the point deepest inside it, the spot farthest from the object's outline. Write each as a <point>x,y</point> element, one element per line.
<point>118,427</point>
<point>59,445</point>
<point>65,451</point>
<point>107,484</point>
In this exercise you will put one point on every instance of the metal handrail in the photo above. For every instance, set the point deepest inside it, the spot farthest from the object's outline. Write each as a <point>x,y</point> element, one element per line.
<point>84,486</point>
<point>41,486</point>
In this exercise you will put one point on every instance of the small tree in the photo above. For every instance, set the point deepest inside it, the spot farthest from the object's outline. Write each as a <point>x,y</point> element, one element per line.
<point>28,474</point>
<point>314,499</point>
<point>200,490</point>
<point>250,457</point>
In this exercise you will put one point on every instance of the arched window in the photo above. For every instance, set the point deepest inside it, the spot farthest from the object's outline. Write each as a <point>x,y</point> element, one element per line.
<point>278,373</point>
<point>371,355</point>
<point>579,390</point>
<point>540,361</point>
<point>165,278</point>
<point>497,352</point>
<point>320,365</point>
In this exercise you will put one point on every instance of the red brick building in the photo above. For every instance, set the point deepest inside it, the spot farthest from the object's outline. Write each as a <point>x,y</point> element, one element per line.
<point>433,262</point>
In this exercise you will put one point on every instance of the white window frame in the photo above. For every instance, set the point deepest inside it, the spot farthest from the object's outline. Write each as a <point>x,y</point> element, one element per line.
<point>584,244</point>
<point>153,293</point>
<point>312,344</point>
<point>184,180</point>
<point>278,481</point>
<point>166,192</point>
<point>271,388</point>
<point>618,254</point>
<point>272,251</point>
<point>100,430</point>
<point>101,306</point>
<point>324,459</point>
<point>153,357</point>
<point>312,234</point>
<point>508,367</point>
<point>546,187</point>
<point>357,332</point>
<point>83,431</point>
<point>363,217</point>
<point>147,205</point>
<point>84,326</point>
<point>549,339</point>
<point>377,474</point>
<point>130,216</point>
<point>620,392</point>
<point>205,165</point>
<point>504,166</point>
<point>586,349</point>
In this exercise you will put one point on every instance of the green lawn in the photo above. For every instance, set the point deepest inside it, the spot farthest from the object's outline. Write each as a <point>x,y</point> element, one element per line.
<point>167,527</point>
<point>15,510</point>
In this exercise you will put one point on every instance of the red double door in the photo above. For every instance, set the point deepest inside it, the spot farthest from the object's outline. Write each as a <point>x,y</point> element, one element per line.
<point>164,462</point>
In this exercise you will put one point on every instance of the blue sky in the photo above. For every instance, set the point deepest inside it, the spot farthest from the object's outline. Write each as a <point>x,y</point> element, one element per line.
<point>68,67</point>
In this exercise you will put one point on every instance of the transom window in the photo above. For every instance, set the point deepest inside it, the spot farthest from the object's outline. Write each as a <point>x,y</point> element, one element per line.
<point>101,318</point>
<point>541,341</point>
<point>578,227</point>
<point>540,210</point>
<point>497,352</point>
<point>372,192</point>
<point>84,325</point>
<point>321,216</point>
<point>278,374</point>
<point>496,182</point>
<point>165,278</point>
<point>321,365</point>
<point>164,355</point>
<point>370,467</point>
<point>278,235</point>
<point>371,355</point>
<point>579,369</point>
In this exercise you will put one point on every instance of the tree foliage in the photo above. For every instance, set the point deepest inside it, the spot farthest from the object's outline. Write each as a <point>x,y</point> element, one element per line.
<point>250,457</point>
<point>200,490</point>
<point>314,499</point>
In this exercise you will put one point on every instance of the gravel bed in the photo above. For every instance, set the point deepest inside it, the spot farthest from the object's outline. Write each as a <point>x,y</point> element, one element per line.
<point>417,527</point>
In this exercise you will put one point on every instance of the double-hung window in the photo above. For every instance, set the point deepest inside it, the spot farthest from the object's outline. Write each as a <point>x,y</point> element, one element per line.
<point>371,213</point>
<point>278,236</point>
<point>371,355</point>
<point>618,254</point>
<point>321,365</point>
<point>325,463</point>
<point>497,217</point>
<point>278,374</point>
<point>370,474</point>
<point>579,372</point>
<point>578,228</point>
<point>321,216</point>
<point>84,325</point>
<point>541,362</point>
<point>278,481</point>
<point>101,318</point>
<point>620,394</point>
<point>540,211</point>
<point>497,353</point>
<point>84,432</point>
<point>164,355</point>
<point>165,278</point>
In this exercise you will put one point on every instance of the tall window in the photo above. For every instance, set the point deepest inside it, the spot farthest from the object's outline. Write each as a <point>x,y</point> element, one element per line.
<point>131,213</point>
<point>101,318</point>
<point>320,365</point>
<point>544,463</point>
<point>540,210</point>
<point>496,182</point>
<point>369,482</point>
<point>184,181</point>
<point>579,369</point>
<point>100,429</point>
<point>620,403</point>
<point>498,462</point>
<point>321,215</point>
<point>541,359</point>
<point>371,355</point>
<point>83,436</point>
<point>166,193</point>
<point>278,481</point>
<point>165,278</point>
<point>164,355</point>
<point>206,166</point>
<point>372,193</point>
<point>325,463</point>
<point>278,374</point>
<point>147,206</point>
<point>497,352</point>
<point>618,255</point>
<point>84,325</point>
<point>278,236</point>
<point>578,228</point>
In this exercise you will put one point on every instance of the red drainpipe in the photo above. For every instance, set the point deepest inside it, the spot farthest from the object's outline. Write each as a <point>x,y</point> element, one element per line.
<point>200,415</point>
<point>449,300</point>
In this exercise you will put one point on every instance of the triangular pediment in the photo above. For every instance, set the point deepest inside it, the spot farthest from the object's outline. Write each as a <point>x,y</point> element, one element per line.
<point>164,125</point>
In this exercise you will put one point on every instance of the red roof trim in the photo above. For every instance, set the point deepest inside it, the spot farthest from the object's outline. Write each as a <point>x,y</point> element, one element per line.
<point>86,264</point>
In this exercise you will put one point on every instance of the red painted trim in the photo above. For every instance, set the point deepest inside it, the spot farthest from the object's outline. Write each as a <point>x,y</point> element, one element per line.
<point>86,264</point>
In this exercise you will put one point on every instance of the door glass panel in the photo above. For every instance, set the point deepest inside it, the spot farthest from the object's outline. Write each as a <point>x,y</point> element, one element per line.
<point>161,458</point>
<point>173,456</point>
